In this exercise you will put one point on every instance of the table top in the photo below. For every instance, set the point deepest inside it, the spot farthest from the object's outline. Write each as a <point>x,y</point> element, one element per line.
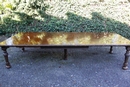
<point>64,39</point>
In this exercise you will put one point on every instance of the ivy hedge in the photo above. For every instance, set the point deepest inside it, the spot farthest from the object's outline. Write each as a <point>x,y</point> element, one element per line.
<point>64,16</point>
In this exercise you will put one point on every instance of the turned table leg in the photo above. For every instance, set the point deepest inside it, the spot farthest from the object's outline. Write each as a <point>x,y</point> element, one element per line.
<point>111,50</point>
<point>6,57</point>
<point>65,54</point>
<point>23,49</point>
<point>127,55</point>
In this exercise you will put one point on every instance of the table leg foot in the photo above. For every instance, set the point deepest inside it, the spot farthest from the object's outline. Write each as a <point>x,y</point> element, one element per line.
<point>8,66</point>
<point>125,67</point>
<point>6,57</point>
<point>65,54</point>
<point>127,55</point>
<point>111,50</point>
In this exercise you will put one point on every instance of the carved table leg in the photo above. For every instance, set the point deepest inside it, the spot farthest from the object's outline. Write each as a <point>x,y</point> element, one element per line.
<point>111,50</point>
<point>127,55</point>
<point>6,57</point>
<point>65,54</point>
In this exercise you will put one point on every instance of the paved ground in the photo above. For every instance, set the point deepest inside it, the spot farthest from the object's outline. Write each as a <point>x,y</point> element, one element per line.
<point>88,67</point>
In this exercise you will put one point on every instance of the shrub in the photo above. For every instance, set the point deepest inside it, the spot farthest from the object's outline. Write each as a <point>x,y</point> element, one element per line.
<point>66,16</point>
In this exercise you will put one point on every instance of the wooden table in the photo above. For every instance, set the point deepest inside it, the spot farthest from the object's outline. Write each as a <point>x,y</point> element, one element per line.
<point>65,40</point>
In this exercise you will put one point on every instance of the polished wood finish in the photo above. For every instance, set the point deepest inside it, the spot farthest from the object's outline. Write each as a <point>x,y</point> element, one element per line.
<point>66,40</point>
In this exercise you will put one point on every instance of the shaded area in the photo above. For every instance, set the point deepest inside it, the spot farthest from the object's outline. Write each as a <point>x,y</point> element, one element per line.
<point>84,68</point>
<point>74,23</point>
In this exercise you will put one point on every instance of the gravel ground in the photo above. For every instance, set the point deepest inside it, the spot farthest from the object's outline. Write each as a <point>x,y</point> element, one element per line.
<point>86,67</point>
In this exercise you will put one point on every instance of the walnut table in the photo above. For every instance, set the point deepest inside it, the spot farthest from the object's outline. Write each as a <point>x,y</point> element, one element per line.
<point>65,40</point>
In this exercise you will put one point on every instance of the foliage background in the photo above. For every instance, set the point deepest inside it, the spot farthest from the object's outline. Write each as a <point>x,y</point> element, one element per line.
<point>65,16</point>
